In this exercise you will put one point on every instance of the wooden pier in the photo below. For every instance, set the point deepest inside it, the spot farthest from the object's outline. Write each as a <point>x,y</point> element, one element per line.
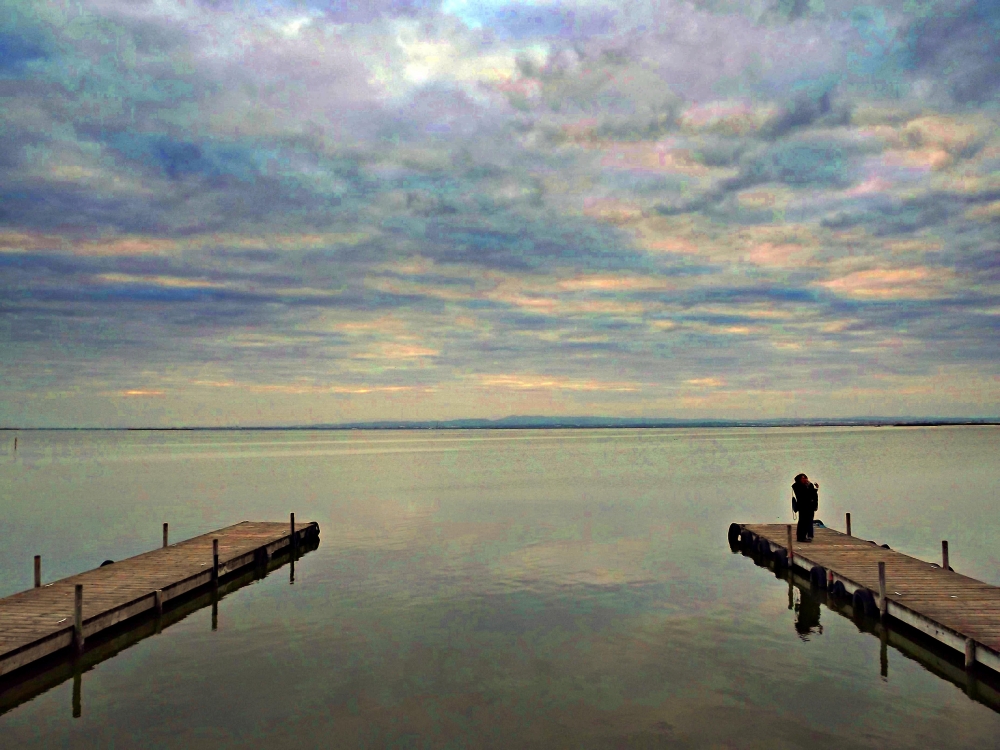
<point>63,614</point>
<point>953,609</point>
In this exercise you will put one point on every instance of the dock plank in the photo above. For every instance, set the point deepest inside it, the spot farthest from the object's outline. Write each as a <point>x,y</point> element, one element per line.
<point>39,621</point>
<point>915,589</point>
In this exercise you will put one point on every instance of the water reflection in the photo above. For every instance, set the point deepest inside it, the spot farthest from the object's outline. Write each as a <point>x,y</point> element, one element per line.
<point>807,615</point>
<point>28,683</point>
<point>806,600</point>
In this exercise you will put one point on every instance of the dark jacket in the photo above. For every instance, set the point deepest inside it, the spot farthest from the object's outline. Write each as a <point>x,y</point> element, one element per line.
<point>806,496</point>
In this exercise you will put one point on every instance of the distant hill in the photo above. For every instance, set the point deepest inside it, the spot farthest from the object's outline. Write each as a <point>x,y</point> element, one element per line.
<point>552,423</point>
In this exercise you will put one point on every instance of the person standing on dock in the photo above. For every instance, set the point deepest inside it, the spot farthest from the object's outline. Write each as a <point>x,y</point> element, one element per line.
<point>806,502</point>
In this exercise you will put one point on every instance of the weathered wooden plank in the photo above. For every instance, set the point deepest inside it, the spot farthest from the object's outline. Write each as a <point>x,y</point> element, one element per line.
<point>39,621</point>
<point>947,605</point>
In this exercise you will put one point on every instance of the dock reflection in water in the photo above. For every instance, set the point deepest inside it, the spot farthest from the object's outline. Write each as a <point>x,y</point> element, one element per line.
<point>805,601</point>
<point>29,682</point>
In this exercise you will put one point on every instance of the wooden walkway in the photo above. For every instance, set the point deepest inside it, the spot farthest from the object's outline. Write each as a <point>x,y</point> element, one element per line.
<point>41,621</point>
<point>956,610</point>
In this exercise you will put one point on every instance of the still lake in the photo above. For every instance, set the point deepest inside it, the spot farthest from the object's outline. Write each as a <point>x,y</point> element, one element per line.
<point>543,588</point>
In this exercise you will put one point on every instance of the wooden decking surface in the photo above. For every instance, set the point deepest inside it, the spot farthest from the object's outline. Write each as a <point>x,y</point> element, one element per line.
<point>39,621</point>
<point>964,605</point>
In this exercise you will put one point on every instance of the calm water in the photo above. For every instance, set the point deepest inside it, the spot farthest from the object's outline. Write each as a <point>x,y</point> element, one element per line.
<point>501,589</point>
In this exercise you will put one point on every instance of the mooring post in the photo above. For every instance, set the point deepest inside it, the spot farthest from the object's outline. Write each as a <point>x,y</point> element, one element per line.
<point>215,560</point>
<point>970,653</point>
<point>78,617</point>
<point>848,524</point>
<point>38,571</point>
<point>166,535</point>
<point>944,555</point>
<point>791,551</point>
<point>158,602</point>
<point>883,602</point>
<point>291,541</point>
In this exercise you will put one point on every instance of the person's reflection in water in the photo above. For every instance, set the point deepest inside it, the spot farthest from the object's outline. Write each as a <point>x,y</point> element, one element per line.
<point>807,615</point>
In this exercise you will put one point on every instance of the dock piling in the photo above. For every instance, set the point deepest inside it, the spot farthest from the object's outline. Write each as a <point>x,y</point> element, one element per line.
<point>215,560</point>
<point>78,617</point>
<point>291,541</point>
<point>38,571</point>
<point>165,534</point>
<point>883,602</point>
<point>970,653</point>
<point>158,602</point>
<point>944,555</point>
<point>791,551</point>
<point>848,524</point>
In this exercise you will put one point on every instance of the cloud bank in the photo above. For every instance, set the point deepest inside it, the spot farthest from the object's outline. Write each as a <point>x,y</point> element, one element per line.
<point>292,212</point>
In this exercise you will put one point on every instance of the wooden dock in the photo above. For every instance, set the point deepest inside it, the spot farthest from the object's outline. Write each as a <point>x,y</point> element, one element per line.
<point>46,619</point>
<point>951,608</point>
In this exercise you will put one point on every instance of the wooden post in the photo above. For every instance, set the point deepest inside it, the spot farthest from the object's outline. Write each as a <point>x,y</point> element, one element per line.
<point>848,524</point>
<point>292,521</point>
<point>78,617</point>
<point>165,534</point>
<point>970,653</point>
<point>791,550</point>
<point>883,601</point>
<point>215,560</point>
<point>158,602</point>
<point>944,555</point>
<point>38,571</point>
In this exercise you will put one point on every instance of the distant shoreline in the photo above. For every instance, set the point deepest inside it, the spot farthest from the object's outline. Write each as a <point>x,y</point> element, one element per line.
<point>540,423</point>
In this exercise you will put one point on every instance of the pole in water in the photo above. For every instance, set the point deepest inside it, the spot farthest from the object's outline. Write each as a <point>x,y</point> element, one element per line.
<point>791,550</point>
<point>883,652</point>
<point>77,694</point>
<point>215,609</point>
<point>883,602</point>
<point>166,534</point>
<point>78,617</point>
<point>291,541</point>
<point>38,571</point>
<point>848,524</point>
<point>944,555</point>
<point>215,560</point>
<point>970,653</point>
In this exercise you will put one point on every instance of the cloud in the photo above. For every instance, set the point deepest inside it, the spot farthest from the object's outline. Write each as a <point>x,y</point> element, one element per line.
<point>888,284</point>
<point>480,207</point>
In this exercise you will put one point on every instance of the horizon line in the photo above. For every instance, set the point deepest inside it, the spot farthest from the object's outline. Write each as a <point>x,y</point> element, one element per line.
<point>528,422</point>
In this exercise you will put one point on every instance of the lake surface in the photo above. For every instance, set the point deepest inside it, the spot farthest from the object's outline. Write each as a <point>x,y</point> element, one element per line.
<point>502,588</point>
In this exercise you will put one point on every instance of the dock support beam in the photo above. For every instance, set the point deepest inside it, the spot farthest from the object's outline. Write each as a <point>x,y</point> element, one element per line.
<point>848,524</point>
<point>883,601</point>
<point>215,560</point>
<point>158,602</point>
<point>38,571</point>
<point>78,617</point>
<point>791,551</point>
<point>970,653</point>
<point>166,535</point>
<point>944,555</point>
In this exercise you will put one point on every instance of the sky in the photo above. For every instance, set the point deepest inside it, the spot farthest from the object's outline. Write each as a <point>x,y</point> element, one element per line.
<point>240,212</point>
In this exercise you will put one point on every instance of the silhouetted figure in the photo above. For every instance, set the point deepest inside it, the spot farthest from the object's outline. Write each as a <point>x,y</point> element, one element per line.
<point>807,615</point>
<point>805,501</point>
